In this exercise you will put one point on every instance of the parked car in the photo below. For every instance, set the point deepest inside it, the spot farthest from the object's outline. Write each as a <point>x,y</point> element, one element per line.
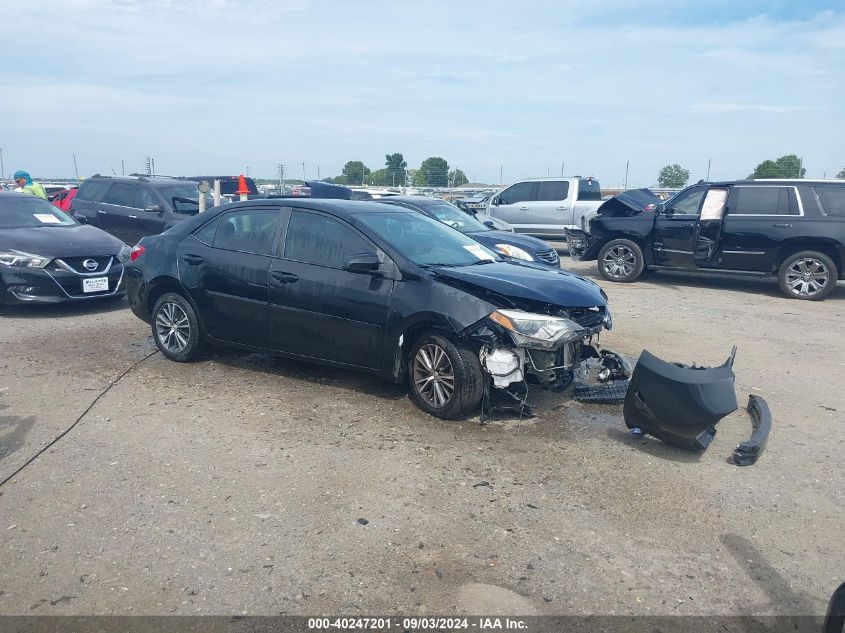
<point>518,246</point>
<point>130,207</point>
<point>546,207</point>
<point>793,230</point>
<point>48,257</point>
<point>367,286</point>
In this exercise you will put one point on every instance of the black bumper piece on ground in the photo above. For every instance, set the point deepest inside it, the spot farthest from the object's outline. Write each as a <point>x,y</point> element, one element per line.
<point>749,451</point>
<point>678,404</point>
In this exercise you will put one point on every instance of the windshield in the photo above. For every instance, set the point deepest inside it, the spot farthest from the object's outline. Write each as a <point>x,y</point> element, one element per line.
<point>28,211</point>
<point>184,198</point>
<point>454,217</point>
<point>426,241</point>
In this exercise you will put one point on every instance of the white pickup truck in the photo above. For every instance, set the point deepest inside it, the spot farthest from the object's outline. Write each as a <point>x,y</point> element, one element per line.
<point>546,207</point>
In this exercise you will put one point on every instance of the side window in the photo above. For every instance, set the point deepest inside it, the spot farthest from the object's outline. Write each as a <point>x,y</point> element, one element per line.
<point>248,230</point>
<point>317,239</point>
<point>761,201</point>
<point>205,233</point>
<point>553,190</point>
<point>832,200</point>
<point>122,193</point>
<point>91,189</point>
<point>145,198</point>
<point>520,192</point>
<point>688,202</point>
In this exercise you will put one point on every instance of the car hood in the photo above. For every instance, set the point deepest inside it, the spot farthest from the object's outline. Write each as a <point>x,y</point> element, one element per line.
<point>630,202</point>
<point>525,242</point>
<point>524,281</point>
<point>60,241</point>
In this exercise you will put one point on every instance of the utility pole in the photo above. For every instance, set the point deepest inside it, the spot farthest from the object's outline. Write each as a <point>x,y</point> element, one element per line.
<point>153,165</point>
<point>800,163</point>
<point>247,171</point>
<point>122,168</point>
<point>363,169</point>
<point>303,171</point>
<point>627,164</point>
<point>2,167</point>
<point>76,169</point>
<point>318,172</point>
<point>500,175</point>
<point>561,168</point>
<point>708,169</point>
<point>547,172</point>
<point>281,176</point>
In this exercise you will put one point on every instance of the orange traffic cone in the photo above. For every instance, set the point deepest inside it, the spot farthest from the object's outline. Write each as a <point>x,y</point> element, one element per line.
<point>243,190</point>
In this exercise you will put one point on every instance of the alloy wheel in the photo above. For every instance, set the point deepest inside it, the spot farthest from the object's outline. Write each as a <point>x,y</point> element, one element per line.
<point>619,261</point>
<point>807,277</point>
<point>173,327</point>
<point>434,378</point>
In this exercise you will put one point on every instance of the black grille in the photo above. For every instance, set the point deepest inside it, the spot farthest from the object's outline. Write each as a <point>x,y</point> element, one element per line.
<point>588,318</point>
<point>76,263</point>
<point>550,256</point>
<point>72,284</point>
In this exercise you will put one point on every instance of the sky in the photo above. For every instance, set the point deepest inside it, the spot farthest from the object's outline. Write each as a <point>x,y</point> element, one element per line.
<point>500,89</point>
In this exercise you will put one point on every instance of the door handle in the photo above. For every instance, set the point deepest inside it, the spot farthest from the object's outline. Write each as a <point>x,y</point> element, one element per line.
<point>133,217</point>
<point>283,277</point>
<point>562,208</point>
<point>782,226</point>
<point>687,225</point>
<point>101,211</point>
<point>193,260</point>
<point>523,208</point>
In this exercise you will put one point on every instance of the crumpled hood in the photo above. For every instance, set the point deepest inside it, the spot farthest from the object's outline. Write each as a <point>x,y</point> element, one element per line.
<point>60,241</point>
<point>525,242</point>
<point>629,202</point>
<point>527,281</point>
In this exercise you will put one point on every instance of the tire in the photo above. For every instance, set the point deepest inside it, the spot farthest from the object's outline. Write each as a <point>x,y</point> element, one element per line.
<point>450,359</point>
<point>808,275</point>
<point>621,261</point>
<point>176,328</point>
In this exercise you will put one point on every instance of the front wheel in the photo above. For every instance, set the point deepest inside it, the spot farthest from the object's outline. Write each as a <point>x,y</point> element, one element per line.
<point>445,377</point>
<point>808,275</point>
<point>176,328</point>
<point>621,260</point>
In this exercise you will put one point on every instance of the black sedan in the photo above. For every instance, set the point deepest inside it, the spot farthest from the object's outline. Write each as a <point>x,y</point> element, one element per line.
<point>48,257</point>
<point>366,286</point>
<point>514,245</point>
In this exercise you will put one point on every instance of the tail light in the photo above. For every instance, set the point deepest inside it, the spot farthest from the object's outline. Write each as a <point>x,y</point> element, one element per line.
<point>137,251</point>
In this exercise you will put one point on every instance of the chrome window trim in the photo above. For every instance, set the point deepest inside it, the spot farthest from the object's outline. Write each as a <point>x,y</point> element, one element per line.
<point>770,215</point>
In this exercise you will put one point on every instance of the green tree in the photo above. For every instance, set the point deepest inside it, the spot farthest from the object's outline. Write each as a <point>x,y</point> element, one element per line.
<point>457,178</point>
<point>788,166</point>
<point>841,174</point>
<point>355,172</point>
<point>433,172</point>
<point>381,178</point>
<point>396,165</point>
<point>673,176</point>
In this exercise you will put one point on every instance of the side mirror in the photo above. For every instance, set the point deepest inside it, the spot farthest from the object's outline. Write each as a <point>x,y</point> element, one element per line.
<point>495,201</point>
<point>489,223</point>
<point>80,218</point>
<point>362,263</point>
<point>155,208</point>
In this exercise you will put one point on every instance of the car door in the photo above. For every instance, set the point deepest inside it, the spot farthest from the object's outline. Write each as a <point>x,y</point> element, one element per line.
<point>317,308</point>
<point>550,211</point>
<point>757,220</point>
<point>149,219</point>
<point>225,266</point>
<point>675,229</point>
<point>512,205</point>
<point>115,210</point>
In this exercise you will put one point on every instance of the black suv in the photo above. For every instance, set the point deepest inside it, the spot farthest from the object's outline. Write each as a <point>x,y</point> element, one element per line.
<point>130,207</point>
<point>791,229</point>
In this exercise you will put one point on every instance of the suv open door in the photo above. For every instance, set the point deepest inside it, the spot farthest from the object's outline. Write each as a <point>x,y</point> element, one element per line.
<point>710,223</point>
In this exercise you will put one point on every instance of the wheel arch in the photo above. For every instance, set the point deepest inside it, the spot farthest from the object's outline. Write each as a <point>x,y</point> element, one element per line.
<point>409,334</point>
<point>818,244</point>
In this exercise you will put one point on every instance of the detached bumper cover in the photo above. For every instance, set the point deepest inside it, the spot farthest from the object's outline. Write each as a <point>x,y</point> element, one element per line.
<point>678,404</point>
<point>749,451</point>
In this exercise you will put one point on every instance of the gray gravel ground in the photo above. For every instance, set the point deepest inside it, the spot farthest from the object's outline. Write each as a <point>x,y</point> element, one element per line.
<point>235,484</point>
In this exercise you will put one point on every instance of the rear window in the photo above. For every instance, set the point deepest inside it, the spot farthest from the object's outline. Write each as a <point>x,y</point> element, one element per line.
<point>552,190</point>
<point>832,200</point>
<point>761,201</point>
<point>589,189</point>
<point>92,189</point>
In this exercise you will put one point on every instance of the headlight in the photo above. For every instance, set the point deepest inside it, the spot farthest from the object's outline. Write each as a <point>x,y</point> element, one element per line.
<point>513,251</point>
<point>537,330</point>
<point>124,254</point>
<point>23,260</point>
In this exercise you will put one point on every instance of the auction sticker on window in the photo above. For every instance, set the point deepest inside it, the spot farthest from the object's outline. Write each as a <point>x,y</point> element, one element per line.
<point>47,218</point>
<point>97,284</point>
<point>479,252</point>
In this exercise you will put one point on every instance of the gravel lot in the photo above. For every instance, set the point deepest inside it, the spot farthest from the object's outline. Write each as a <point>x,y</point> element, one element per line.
<point>235,484</point>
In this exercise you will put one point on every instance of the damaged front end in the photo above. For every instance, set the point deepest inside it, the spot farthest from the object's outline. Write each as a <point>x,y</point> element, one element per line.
<point>520,347</point>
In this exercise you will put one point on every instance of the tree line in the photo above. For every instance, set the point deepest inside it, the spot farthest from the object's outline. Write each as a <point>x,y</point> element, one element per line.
<point>790,166</point>
<point>434,171</point>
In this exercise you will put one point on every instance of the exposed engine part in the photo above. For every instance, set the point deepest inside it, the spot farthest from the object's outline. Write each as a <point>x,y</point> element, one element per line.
<point>609,393</point>
<point>614,367</point>
<point>677,403</point>
<point>504,365</point>
<point>749,451</point>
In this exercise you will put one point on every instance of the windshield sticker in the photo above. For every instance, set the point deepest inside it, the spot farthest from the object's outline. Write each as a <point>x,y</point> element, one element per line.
<point>47,218</point>
<point>479,252</point>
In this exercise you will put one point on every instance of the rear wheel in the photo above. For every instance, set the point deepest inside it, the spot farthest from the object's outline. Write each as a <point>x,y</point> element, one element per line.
<point>445,377</point>
<point>808,275</point>
<point>176,328</point>
<point>621,260</point>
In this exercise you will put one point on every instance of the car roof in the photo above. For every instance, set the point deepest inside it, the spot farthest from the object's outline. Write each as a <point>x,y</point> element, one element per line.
<point>772,181</point>
<point>335,206</point>
<point>420,201</point>
<point>154,180</point>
